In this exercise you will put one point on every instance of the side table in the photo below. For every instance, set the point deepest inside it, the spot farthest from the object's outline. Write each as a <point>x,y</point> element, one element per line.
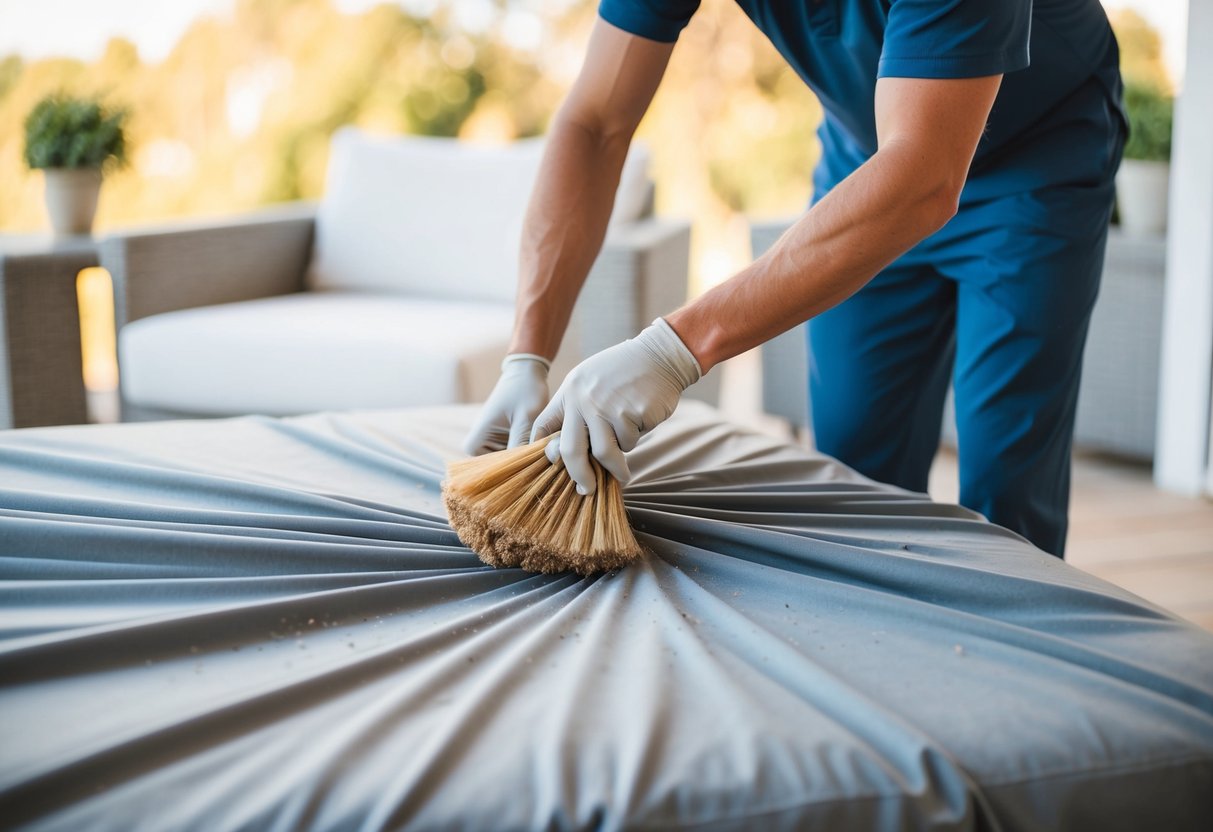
<point>41,372</point>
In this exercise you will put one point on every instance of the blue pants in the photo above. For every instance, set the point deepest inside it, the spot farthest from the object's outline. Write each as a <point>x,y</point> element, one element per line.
<point>999,300</point>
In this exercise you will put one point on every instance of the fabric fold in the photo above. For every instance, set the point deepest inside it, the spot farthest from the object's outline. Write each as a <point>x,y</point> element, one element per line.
<point>265,623</point>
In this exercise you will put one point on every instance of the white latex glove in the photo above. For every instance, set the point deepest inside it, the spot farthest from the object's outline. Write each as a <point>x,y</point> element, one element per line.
<point>507,415</point>
<point>610,399</point>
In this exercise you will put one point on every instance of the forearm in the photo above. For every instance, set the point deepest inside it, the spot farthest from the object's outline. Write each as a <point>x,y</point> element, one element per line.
<point>565,225</point>
<point>928,131</point>
<point>878,213</point>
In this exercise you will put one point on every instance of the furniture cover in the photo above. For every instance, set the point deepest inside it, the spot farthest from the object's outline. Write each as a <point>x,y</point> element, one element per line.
<point>267,624</point>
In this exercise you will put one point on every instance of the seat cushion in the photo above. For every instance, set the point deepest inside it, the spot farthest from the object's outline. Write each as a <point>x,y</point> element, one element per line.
<point>435,217</point>
<point>314,351</point>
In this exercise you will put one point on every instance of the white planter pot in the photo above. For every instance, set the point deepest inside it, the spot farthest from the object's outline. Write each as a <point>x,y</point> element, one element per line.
<point>71,199</point>
<point>1141,196</point>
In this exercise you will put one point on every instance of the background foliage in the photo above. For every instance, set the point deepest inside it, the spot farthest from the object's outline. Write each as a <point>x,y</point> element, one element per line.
<point>65,132</point>
<point>240,112</point>
<point>1149,93</point>
<point>1150,114</point>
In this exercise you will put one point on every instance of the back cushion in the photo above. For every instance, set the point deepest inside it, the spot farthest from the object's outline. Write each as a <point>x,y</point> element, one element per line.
<point>434,217</point>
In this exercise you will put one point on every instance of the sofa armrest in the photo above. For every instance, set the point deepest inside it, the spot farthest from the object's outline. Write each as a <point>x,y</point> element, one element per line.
<point>785,368</point>
<point>640,273</point>
<point>182,266</point>
<point>764,233</point>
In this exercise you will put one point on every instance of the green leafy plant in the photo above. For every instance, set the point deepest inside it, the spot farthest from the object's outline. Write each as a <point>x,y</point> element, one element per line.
<point>1150,111</point>
<point>66,132</point>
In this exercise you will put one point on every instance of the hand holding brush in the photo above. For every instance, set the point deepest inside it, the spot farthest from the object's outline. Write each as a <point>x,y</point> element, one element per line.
<point>614,397</point>
<point>557,504</point>
<point>506,418</point>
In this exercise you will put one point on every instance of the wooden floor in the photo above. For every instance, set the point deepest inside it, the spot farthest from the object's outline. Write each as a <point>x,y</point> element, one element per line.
<point>1122,529</point>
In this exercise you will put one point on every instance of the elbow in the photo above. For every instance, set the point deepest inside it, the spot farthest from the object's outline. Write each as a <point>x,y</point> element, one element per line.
<point>940,204</point>
<point>601,129</point>
<point>928,183</point>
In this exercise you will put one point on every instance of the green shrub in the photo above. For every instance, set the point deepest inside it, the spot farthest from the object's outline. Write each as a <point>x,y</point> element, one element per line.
<point>1149,112</point>
<point>65,132</point>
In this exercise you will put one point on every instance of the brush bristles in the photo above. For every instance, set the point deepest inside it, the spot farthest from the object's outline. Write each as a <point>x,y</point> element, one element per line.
<point>514,508</point>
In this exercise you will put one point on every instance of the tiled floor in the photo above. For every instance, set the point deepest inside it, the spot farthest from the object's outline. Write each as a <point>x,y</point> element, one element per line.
<point>1123,529</point>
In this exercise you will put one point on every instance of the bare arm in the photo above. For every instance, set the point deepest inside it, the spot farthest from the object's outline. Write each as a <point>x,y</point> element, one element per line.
<point>571,205</point>
<point>928,132</point>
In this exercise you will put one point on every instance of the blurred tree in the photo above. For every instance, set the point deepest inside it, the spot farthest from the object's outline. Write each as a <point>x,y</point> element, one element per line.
<point>240,112</point>
<point>732,131</point>
<point>10,71</point>
<point>1141,60</point>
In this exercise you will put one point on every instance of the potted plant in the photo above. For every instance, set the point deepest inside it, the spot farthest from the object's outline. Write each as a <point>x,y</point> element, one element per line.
<point>71,140</point>
<point>1142,181</point>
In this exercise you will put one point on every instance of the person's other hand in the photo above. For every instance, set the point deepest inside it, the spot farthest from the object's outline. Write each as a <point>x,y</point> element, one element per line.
<point>611,398</point>
<point>506,418</point>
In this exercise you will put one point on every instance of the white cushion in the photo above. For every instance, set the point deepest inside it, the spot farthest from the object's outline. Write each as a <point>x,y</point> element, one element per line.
<point>435,217</point>
<point>315,351</point>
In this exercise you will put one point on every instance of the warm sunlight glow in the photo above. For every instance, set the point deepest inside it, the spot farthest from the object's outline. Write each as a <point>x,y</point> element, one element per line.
<point>94,292</point>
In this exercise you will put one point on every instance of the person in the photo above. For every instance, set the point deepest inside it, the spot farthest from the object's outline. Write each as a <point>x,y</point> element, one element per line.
<point>958,226</point>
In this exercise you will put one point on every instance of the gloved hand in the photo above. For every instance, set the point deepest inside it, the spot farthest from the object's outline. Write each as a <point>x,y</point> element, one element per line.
<point>611,398</point>
<point>507,415</point>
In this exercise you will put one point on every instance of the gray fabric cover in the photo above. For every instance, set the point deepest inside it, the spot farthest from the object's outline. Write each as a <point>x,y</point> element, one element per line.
<point>267,624</point>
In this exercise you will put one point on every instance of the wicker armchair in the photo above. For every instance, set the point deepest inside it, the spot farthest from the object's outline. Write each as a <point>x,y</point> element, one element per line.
<point>266,257</point>
<point>785,364</point>
<point>40,362</point>
<point>640,274</point>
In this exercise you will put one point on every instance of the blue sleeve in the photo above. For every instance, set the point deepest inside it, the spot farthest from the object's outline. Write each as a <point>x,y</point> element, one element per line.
<point>955,38</point>
<point>653,19</point>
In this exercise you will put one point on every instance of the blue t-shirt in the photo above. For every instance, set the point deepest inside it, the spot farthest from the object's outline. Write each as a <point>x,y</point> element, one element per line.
<point>1055,121</point>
